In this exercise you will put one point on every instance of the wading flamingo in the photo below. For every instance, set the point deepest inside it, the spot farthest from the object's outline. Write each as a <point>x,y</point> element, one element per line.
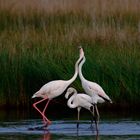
<point>54,89</point>
<point>93,89</point>
<point>79,101</point>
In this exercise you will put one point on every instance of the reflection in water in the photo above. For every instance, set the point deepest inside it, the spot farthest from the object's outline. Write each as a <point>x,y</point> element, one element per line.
<point>95,133</point>
<point>47,135</point>
<point>66,130</point>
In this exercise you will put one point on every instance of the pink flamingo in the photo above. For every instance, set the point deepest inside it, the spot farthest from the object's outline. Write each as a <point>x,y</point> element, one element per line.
<point>54,89</point>
<point>93,89</point>
<point>79,100</point>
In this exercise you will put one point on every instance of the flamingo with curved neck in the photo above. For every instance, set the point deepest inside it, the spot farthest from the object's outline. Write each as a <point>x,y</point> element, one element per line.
<point>54,89</point>
<point>93,89</point>
<point>79,101</point>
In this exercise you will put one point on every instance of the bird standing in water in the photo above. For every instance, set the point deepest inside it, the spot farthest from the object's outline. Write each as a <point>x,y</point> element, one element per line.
<point>79,101</point>
<point>54,89</point>
<point>94,90</point>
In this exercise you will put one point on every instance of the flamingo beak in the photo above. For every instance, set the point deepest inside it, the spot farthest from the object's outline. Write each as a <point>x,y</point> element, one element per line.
<point>66,96</point>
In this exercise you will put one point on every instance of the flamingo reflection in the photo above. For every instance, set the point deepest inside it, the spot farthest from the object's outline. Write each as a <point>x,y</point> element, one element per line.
<point>47,135</point>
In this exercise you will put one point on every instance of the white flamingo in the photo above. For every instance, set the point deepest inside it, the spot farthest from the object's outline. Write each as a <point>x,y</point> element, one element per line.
<point>93,89</point>
<point>54,89</point>
<point>79,101</point>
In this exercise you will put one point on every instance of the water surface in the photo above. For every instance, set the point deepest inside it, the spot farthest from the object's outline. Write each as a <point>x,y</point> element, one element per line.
<point>110,128</point>
<point>25,129</point>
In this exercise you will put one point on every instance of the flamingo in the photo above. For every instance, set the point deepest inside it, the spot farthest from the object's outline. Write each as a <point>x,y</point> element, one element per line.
<point>53,89</point>
<point>79,101</point>
<point>93,89</point>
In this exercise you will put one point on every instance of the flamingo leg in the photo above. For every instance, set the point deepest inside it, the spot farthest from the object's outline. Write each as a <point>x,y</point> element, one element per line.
<point>44,117</point>
<point>97,112</point>
<point>44,111</point>
<point>93,116</point>
<point>78,109</point>
<point>96,118</point>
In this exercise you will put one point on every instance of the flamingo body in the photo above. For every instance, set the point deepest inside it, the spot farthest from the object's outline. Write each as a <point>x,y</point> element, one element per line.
<point>95,91</point>
<point>79,101</point>
<point>53,89</point>
<point>92,88</point>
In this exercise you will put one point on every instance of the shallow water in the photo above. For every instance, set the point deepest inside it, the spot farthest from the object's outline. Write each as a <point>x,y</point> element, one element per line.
<point>111,127</point>
<point>66,130</point>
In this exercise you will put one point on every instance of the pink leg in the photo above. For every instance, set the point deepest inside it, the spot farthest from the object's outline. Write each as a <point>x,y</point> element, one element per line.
<point>45,110</point>
<point>44,117</point>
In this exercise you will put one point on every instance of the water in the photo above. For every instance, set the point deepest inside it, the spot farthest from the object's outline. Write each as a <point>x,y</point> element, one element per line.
<point>119,127</point>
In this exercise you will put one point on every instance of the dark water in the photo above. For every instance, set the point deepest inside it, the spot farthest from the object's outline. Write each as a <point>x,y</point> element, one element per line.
<point>111,127</point>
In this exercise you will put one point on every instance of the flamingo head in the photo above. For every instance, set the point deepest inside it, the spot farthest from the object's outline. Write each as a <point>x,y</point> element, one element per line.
<point>70,91</point>
<point>81,51</point>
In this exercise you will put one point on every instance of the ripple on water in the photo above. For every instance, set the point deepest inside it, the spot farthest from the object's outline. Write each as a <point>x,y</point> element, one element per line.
<point>118,128</point>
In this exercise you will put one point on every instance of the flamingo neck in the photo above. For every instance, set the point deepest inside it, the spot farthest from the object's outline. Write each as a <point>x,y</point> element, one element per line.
<point>70,102</point>
<point>76,71</point>
<point>80,69</point>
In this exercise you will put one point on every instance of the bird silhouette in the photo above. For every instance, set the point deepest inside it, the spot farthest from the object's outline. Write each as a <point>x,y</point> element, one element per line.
<point>79,101</point>
<point>54,89</point>
<point>93,89</point>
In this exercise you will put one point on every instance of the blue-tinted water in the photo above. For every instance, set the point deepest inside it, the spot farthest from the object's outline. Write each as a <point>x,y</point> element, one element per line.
<point>111,127</point>
<point>122,129</point>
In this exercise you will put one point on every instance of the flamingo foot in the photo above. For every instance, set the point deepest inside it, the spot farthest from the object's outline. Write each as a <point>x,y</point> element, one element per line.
<point>46,122</point>
<point>42,127</point>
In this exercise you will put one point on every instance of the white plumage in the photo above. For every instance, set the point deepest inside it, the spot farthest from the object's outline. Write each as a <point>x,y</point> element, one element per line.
<point>79,101</point>
<point>54,89</point>
<point>94,90</point>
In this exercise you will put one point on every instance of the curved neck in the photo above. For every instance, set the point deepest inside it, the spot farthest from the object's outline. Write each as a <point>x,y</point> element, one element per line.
<point>76,71</point>
<point>70,102</point>
<point>80,68</point>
